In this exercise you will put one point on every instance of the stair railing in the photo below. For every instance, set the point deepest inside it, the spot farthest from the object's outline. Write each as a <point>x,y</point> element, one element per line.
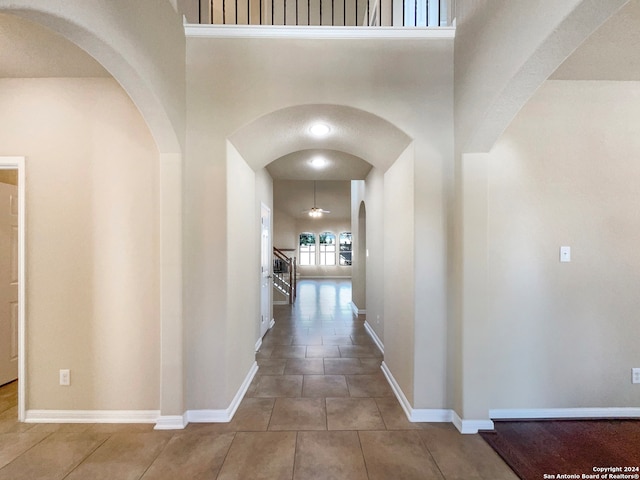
<point>284,273</point>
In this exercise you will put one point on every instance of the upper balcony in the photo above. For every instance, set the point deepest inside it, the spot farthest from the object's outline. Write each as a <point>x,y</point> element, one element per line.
<point>321,13</point>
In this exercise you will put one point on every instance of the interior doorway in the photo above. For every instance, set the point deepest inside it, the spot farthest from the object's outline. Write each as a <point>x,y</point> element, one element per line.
<point>12,284</point>
<point>265,269</point>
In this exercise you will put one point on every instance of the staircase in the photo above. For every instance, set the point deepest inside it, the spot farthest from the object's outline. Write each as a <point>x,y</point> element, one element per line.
<point>284,274</point>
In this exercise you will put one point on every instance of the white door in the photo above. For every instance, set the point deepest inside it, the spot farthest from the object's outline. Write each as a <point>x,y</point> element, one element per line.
<point>8,283</point>
<point>266,255</point>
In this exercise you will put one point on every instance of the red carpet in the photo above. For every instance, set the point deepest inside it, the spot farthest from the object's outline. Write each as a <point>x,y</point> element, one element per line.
<point>566,449</point>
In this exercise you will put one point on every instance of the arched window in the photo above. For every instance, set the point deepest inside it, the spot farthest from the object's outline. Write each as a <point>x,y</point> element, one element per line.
<point>327,248</point>
<point>345,248</point>
<point>307,248</point>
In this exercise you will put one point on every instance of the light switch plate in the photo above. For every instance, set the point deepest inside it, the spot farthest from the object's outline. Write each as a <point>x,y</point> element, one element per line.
<point>565,254</point>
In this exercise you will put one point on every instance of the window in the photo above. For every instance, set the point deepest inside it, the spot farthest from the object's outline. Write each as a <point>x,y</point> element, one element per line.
<point>345,248</point>
<point>327,248</point>
<point>307,249</point>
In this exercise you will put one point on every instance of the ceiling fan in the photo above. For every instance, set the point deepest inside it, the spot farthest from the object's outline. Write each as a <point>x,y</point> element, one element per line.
<point>315,212</point>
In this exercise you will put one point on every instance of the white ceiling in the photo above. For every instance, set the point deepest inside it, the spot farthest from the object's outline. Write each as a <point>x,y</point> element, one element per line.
<point>294,196</point>
<point>28,50</point>
<point>611,53</point>
<point>336,165</point>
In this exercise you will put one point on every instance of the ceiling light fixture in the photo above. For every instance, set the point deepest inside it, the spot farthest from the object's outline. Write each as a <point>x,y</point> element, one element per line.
<point>318,162</point>
<point>319,129</point>
<point>315,212</point>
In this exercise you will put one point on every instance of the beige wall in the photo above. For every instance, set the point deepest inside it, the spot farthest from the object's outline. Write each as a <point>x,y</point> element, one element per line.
<point>563,334</point>
<point>92,242</point>
<point>399,271</point>
<point>375,274</point>
<point>359,236</point>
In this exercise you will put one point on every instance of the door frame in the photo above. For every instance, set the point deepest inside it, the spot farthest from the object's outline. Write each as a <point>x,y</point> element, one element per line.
<point>18,163</point>
<point>267,252</point>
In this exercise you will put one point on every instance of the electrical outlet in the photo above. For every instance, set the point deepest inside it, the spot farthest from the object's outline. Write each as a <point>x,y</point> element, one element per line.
<point>635,375</point>
<point>65,377</point>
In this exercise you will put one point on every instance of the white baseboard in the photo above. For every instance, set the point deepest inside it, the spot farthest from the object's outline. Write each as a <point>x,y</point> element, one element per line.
<point>320,277</point>
<point>272,323</point>
<point>281,302</point>
<point>374,336</point>
<point>258,344</point>
<point>540,413</point>
<point>356,310</point>
<point>92,416</point>
<point>171,422</point>
<point>471,426</point>
<point>223,415</point>
<point>436,415</point>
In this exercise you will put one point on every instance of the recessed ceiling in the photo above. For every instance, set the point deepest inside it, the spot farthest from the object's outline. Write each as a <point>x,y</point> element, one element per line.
<point>355,132</point>
<point>319,164</point>
<point>611,53</point>
<point>28,50</point>
<point>294,196</point>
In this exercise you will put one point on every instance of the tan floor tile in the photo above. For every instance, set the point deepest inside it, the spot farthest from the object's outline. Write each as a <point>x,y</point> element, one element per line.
<point>304,366</point>
<point>307,340</point>
<point>329,455</point>
<point>325,386</point>
<point>14,444</point>
<point>289,352</point>
<point>61,427</point>
<point>397,454</point>
<point>463,456</point>
<point>260,456</point>
<point>353,414</point>
<point>375,385</point>
<point>336,340</point>
<point>191,456</point>
<point>299,414</point>
<point>53,457</point>
<point>357,351</point>
<point>271,366</point>
<point>350,366</point>
<point>125,456</point>
<point>323,351</point>
<point>394,416</point>
<point>252,415</point>
<point>277,340</point>
<point>121,428</point>
<point>270,386</point>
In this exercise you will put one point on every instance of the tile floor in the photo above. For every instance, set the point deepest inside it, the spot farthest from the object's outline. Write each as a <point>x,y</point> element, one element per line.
<point>319,408</point>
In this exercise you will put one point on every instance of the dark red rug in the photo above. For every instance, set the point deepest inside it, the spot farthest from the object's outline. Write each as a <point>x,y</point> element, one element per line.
<point>569,449</point>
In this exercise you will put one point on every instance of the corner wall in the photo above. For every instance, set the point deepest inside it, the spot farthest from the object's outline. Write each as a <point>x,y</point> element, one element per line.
<point>563,335</point>
<point>93,298</point>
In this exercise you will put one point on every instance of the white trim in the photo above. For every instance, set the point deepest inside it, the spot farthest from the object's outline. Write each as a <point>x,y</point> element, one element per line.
<point>281,302</point>
<point>404,403</point>
<point>92,416</point>
<point>374,337</point>
<point>258,344</point>
<point>415,415</point>
<point>356,310</point>
<point>530,413</point>
<point>439,415</point>
<point>316,32</point>
<point>272,323</point>
<point>20,164</point>
<point>223,415</point>
<point>171,422</point>
<point>471,426</point>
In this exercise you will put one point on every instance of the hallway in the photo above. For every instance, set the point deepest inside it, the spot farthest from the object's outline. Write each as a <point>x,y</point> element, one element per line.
<point>318,408</point>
